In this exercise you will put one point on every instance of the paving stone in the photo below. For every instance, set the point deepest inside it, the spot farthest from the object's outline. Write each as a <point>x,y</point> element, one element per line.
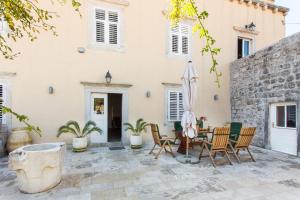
<point>102,174</point>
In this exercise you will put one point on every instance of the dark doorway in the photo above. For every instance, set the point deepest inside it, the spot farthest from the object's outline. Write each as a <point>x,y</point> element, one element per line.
<point>114,117</point>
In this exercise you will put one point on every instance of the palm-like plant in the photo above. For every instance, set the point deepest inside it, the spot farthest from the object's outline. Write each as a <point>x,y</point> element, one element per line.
<point>140,126</point>
<point>74,128</point>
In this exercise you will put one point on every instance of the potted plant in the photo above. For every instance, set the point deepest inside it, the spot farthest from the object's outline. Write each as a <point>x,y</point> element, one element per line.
<point>20,136</point>
<point>80,141</point>
<point>136,139</point>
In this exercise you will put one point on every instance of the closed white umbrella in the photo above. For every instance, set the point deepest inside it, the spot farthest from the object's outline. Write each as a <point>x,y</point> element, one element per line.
<point>188,121</point>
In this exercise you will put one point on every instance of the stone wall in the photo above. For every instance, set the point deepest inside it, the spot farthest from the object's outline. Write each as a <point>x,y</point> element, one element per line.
<point>268,76</point>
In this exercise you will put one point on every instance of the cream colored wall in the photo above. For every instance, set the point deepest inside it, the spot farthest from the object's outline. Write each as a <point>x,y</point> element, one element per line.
<point>143,62</point>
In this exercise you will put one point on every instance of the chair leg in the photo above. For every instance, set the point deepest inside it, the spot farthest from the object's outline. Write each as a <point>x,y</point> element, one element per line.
<point>227,156</point>
<point>165,149</point>
<point>191,143</point>
<point>156,155</point>
<point>161,148</point>
<point>235,155</point>
<point>152,149</point>
<point>251,155</point>
<point>175,139</point>
<point>215,155</point>
<point>171,152</point>
<point>211,158</point>
<point>202,148</point>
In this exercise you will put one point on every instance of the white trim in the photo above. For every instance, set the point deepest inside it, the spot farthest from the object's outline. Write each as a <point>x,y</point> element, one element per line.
<point>251,45</point>
<point>166,100</point>
<point>170,52</point>
<point>88,95</point>
<point>285,115</point>
<point>7,100</point>
<point>92,29</point>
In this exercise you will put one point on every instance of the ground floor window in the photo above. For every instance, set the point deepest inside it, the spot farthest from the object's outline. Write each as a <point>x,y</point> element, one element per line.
<point>286,116</point>
<point>3,101</point>
<point>175,105</point>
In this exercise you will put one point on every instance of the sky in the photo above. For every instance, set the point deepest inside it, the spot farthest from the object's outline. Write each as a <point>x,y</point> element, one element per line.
<point>293,17</point>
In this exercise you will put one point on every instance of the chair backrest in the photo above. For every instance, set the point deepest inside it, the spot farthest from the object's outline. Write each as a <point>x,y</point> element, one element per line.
<point>235,129</point>
<point>245,137</point>
<point>220,138</point>
<point>177,126</point>
<point>155,134</point>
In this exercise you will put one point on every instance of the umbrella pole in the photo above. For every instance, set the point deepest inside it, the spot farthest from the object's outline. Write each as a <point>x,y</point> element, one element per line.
<point>187,148</point>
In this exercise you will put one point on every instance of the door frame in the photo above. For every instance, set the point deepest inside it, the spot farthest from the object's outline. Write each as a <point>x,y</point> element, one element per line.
<point>268,123</point>
<point>105,90</point>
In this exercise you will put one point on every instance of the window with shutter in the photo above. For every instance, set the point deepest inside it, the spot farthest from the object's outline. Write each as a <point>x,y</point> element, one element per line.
<point>175,106</point>
<point>107,26</point>
<point>2,102</point>
<point>4,29</point>
<point>180,39</point>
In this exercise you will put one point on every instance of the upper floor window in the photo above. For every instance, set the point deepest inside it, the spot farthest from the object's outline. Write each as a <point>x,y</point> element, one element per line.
<point>3,27</point>
<point>175,105</point>
<point>180,39</point>
<point>107,27</point>
<point>244,47</point>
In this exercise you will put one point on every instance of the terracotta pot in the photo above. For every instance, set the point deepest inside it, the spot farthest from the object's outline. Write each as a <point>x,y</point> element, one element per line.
<point>136,141</point>
<point>17,138</point>
<point>80,144</point>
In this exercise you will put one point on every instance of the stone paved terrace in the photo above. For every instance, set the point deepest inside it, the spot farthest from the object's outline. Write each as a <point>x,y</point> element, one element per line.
<point>126,174</point>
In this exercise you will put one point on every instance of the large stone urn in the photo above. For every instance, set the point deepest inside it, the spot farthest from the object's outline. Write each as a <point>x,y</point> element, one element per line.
<point>38,167</point>
<point>17,138</point>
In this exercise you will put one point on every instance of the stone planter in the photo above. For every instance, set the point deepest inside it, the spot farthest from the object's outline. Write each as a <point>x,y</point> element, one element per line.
<point>17,138</point>
<point>38,167</point>
<point>136,141</point>
<point>80,144</point>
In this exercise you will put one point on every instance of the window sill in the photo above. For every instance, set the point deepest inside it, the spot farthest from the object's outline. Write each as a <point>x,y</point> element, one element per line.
<point>117,2</point>
<point>100,47</point>
<point>171,55</point>
<point>244,30</point>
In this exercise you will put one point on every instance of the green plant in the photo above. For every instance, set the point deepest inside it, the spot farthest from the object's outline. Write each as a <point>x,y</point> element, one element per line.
<point>140,127</point>
<point>182,9</point>
<point>26,19</point>
<point>23,119</point>
<point>74,128</point>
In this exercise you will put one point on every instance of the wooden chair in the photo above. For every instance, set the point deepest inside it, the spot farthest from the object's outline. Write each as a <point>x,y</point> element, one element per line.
<point>219,143</point>
<point>235,129</point>
<point>243,142</point>
<point>162,142</point>
<point>178,130</point>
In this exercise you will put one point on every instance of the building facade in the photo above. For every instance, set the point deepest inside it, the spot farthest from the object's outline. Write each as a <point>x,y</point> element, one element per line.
<point>265,92</point>
<point>56,79</point>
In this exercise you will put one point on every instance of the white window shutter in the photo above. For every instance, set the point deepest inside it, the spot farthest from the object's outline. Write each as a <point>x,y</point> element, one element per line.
<point>185,39</point>
<point>113,21</point>
<point>107,26</point>
<point>180,39</point>
<point>175,106</point>
<point>175,39</point>
<point>100,25</point>
<point>180,105</point>
<point>2,102</point>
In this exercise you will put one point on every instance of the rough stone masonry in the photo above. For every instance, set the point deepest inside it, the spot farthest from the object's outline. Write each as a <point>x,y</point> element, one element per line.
<point>270,75</point>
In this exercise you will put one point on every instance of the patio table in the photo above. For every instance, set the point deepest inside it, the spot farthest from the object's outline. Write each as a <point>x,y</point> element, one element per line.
<point>182,145</point>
